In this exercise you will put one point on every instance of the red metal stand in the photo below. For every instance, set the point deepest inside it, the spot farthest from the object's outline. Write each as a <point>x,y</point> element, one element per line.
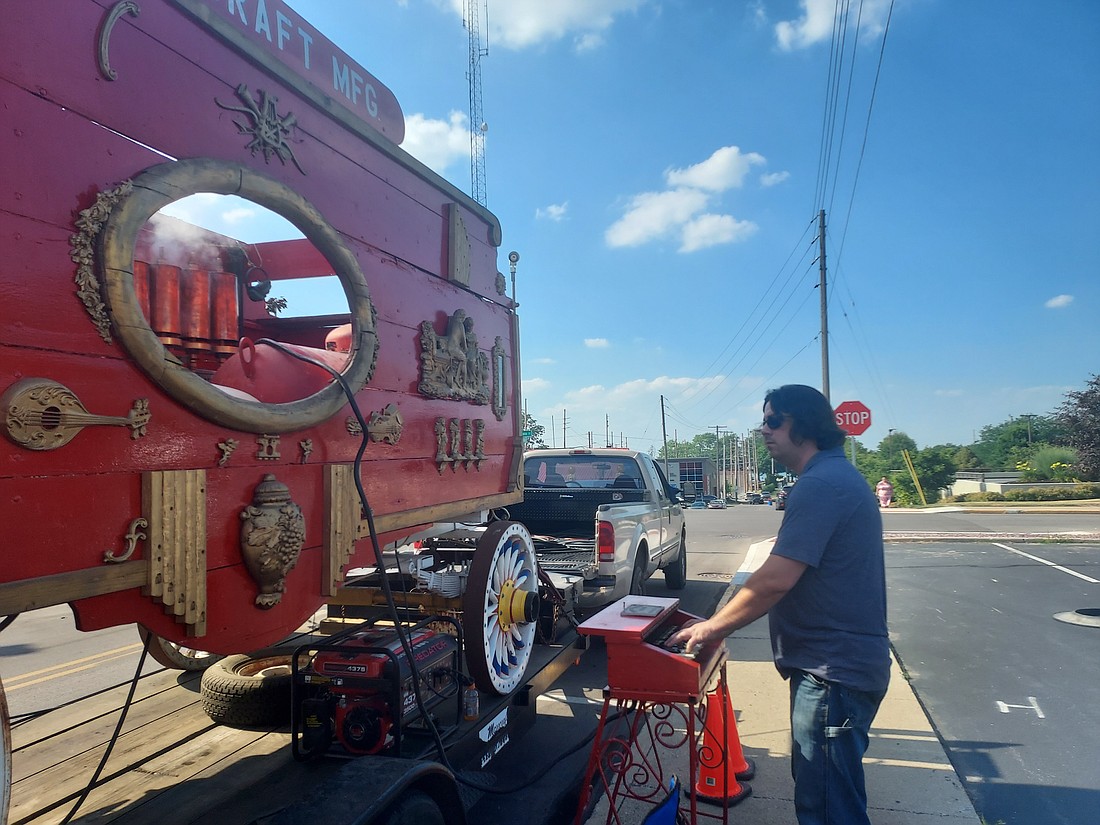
<point>658,710</point>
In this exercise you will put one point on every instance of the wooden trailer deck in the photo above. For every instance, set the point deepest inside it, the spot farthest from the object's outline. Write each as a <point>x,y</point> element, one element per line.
<point>172,765</point>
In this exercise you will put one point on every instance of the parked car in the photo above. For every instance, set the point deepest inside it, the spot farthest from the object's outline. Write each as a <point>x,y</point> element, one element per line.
<point>716,504</point>
<point>754,498</point>
<point>781,496</point>
<point>698,504</point>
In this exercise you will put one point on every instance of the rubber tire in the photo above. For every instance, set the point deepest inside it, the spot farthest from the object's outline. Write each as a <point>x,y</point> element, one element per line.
<point>637,575</point>
<point>249,689</point>
<point>676,573</point>
<point>171,655</point>
<point>414,808</point>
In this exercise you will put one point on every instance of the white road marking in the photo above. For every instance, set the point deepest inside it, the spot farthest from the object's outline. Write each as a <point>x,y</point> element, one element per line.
<point>1047,562</point>
<point>1033,704</point>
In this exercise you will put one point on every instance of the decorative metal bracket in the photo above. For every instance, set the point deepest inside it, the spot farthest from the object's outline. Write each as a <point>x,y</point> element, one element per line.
<point>130,539</point>
<point>269,130</point>
<point>41,414</point>
<point>119,9</point>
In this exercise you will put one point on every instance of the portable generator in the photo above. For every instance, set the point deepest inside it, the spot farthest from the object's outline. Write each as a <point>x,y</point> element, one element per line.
<point>357,695</point>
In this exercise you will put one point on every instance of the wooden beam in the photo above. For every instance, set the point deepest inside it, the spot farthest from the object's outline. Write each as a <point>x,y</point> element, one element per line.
<point>31,594</point>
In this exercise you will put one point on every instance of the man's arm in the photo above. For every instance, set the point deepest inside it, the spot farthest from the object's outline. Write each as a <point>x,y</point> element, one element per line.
<point>770,583</point>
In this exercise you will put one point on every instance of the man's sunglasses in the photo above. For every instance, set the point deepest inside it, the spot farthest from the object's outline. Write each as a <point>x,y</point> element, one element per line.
<point>773,422</point>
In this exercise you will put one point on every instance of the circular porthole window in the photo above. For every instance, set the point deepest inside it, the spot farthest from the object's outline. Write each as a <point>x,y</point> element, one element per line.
<point>198,311</point>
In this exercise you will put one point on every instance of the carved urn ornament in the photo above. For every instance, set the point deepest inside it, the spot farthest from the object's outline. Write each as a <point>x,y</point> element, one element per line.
<point>271,538</point>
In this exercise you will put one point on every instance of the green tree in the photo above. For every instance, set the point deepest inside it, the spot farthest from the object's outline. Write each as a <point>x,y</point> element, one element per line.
<point>537,440</point>
<point>1003,446</point>
<point>1079,416</point>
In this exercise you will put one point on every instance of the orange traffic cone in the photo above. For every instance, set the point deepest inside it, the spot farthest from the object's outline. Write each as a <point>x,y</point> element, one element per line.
<point>722,764</point>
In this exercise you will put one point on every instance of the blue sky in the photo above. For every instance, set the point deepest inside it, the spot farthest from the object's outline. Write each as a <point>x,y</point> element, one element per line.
<point>659,166</point>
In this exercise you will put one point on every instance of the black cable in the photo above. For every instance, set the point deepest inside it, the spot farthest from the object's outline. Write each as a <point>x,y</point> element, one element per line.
<point>368,514</point>
<point>114,736</point>
<point>386,589</point>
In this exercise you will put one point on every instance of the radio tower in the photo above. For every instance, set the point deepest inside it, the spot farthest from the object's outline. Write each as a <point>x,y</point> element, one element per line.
<point>478,126</point>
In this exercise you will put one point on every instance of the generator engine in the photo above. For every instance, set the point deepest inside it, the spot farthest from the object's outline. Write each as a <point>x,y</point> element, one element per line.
<point>360,692</point>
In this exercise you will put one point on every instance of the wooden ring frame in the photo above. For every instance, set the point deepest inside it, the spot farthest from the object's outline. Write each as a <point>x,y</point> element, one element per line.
<point>161,185</point>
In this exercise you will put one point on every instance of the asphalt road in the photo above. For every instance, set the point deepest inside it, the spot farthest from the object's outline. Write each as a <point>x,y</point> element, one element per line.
<point>1013,693</point>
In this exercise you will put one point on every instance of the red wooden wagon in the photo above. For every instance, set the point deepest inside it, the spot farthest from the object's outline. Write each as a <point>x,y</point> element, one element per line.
<point>178,450</point>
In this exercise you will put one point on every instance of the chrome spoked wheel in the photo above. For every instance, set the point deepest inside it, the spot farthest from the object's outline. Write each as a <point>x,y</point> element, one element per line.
<point>173,655</point>
<point>500,608</point>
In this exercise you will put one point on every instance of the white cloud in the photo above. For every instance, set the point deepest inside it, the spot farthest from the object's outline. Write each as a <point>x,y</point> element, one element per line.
<point>518,24</point>
<point>947,393</point>
<point>437,143</point>
<point>711,230</point>
<point>553,212</point>
<point>543,361</point>
<point>1059,301</point>
<point>725,169</point>
<point>652,214</point>
<point>773,178</point>
<point>597,343</point>
<point>535,384</point>
<point>816,23</point>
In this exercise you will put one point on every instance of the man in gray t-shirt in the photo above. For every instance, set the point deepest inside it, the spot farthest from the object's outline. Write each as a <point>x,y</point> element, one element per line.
<point>824,588</point>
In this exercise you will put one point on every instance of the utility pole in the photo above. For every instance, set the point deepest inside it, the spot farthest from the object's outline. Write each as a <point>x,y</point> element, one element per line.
<point>718,456</point>
<point>664,434</point>
<point>824,306</point>
<point>478,126</point>
<point>563,442</point>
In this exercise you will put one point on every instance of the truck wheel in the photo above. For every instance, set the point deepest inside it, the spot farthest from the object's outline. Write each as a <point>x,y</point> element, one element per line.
<point>248,689</point>
<point>500,608</point>
<point>414,808</point>
<point>172,655</point>
<point>637,577</point>
<point>676,574</point>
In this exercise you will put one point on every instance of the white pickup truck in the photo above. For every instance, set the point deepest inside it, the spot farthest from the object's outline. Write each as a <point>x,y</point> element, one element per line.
<point>606,515</point>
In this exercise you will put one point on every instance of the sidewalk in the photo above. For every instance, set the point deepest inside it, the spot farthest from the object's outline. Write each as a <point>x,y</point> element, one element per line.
<point>910,780</point>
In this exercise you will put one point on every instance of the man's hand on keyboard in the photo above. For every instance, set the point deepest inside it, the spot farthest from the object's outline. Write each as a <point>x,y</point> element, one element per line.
<point>690,636</point>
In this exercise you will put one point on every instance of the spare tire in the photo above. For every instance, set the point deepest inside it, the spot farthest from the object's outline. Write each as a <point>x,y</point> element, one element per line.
<point>249,689</point>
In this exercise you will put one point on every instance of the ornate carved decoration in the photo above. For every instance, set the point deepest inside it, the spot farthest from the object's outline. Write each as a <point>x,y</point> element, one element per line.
<point>267,448</point>
<point>269,130</point>
<point>174,506</point>
<point>272,535</point>
<point>386,425</point>
<point>119,9</point>
<point>306,447</point>
<point>41,414</point>
<point>82,253</point>
<point>458,247</point>
<point>132,537</point>
<point>451,365</point>
<point>459,441</point>
<point>500,283</point>
<point>500,398</point>
<point>227,447</point>
<point>353,426</point>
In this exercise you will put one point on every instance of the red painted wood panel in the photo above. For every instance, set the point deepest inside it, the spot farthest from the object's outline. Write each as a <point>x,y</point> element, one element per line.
<point>164,97</point>
<point>72,134</point>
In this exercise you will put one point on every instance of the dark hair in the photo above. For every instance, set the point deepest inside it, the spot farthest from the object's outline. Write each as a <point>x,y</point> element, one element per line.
<point>812,416</point>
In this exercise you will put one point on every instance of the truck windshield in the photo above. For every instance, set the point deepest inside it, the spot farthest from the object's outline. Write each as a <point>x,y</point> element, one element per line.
<point>582,471</point>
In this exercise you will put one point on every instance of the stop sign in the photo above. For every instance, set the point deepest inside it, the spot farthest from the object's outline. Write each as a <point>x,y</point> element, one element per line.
<point>853,417</point>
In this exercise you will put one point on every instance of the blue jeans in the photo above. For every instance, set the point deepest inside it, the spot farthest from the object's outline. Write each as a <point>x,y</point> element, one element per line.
<point>829,732</point>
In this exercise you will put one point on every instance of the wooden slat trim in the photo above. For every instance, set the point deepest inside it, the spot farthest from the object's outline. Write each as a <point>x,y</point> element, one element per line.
<point>31,594</point>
